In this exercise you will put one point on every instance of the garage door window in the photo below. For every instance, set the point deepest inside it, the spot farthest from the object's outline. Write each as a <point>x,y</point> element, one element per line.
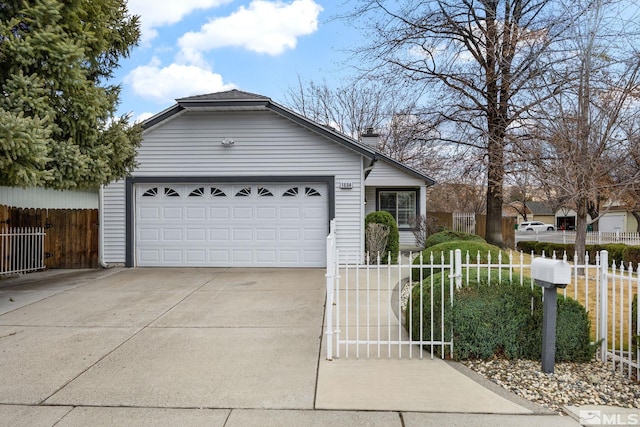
<point>216,192</point>
<point>292,192</point>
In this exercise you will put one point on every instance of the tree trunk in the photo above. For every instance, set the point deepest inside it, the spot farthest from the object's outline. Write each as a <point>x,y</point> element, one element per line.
<point>581,230</point>
<point>495,175</point>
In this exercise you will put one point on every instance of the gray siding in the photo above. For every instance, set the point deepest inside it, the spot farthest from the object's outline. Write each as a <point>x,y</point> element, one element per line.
<point>114,228</point>
<point>266,144</point>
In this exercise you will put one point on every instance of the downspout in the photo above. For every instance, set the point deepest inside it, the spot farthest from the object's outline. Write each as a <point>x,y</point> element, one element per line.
<point>101,228</point>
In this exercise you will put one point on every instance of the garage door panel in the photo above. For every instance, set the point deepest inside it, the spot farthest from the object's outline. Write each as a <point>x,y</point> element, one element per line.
<point>149,234</point>
<point>196,234</point>
<point>242,234</point>
<point>149,213</point>
<point>266,234</point>
<point>219,213</point>
<point>289,234</point>
<point>266,256</point>
<point>269,213</point>
<point>219,257</point>
<point>196,256</point>
<point>289,213</point>
<point>292,257</point>
<point>195,213</point>
<point>172,256</point>
<point>172,213</point>
<point>242,213</point>
<point>231,225</point>
<point>219,234</point>
<point>241,256</point>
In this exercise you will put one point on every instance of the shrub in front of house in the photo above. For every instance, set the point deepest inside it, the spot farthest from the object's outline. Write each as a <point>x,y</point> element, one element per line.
<point>393,239</point>
<point>631,254</point>
<point>441,255</point>
<point>450,235</point>
<point>494,318</point>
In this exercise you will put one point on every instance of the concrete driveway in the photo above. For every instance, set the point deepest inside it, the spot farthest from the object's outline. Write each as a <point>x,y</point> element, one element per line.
<point>164,338</point>
<point>214,347</point>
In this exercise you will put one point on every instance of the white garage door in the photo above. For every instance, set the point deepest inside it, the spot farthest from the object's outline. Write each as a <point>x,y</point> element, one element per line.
<point>611,223</point>
<point>231,225</point>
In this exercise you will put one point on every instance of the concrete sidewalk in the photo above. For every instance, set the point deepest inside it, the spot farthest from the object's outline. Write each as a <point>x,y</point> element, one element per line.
<point>220,347</point>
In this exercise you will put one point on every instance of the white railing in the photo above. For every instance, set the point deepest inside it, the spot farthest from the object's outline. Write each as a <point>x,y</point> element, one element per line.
<point>365,311</point>
<point>593,237</point>
<point>21,249</point>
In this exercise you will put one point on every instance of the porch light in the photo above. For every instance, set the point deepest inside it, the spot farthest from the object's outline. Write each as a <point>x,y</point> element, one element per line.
<point>228,142</point>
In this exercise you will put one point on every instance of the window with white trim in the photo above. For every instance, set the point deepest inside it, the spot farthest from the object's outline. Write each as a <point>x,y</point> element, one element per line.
<point>401,204</point>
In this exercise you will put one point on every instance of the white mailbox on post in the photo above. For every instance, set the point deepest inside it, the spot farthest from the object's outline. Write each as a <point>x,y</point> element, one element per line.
<point>550,274</point>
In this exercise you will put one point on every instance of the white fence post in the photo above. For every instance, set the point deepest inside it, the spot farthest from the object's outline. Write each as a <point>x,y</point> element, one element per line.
<point>604,311</point>
<point>331,271</point>
<point>458,268</point>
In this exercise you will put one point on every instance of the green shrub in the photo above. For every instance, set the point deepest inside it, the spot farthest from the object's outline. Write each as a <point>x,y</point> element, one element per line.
<point>631,254</point>
<point>441,254</point>
<point>525,246</point>
<point>450,235</point>
<point>493,319</point>
<point>616,251</point>
<point>393,240</point>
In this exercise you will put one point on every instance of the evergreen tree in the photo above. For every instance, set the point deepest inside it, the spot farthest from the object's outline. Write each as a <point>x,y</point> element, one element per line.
<point>57,111</point>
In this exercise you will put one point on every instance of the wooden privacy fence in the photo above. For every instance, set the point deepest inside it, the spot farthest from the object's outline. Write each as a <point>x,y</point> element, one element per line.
<point>71,239</point>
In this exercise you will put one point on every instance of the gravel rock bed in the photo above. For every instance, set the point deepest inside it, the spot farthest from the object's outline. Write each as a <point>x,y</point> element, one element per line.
<point>576,384</point>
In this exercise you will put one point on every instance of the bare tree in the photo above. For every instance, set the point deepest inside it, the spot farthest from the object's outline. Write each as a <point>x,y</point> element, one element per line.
<point>581,147</point>
<point>405,133</point>
<point>479,60</point>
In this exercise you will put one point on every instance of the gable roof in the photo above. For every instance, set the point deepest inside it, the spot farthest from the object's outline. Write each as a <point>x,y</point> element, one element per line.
<point>233,100</point>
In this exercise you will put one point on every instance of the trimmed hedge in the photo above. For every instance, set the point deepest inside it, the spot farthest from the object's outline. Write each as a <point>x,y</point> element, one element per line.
<point>393,240</point>
<point>492,319</point>
<point>450,235</point>
<point>441,254</point>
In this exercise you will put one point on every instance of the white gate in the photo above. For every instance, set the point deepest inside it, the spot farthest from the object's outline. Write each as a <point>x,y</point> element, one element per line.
<point>21,249</point>
<point>464,222</point>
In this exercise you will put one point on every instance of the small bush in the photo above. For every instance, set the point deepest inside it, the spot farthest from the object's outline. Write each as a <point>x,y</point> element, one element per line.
<point>526,246</point>
<point>631,254</point>
<point>393,239</point>
<point>441,254</point>
<point>616,251</point>
<point>448,236</point>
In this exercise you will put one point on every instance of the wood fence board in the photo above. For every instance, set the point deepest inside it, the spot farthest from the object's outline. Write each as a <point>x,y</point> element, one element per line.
<point>71,234</point>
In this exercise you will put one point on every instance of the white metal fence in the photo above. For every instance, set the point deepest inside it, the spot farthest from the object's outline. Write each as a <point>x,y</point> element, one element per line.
<point>21,249</point>
<point>464,222</point>
<point>593,237</point>
<point>365,303</point>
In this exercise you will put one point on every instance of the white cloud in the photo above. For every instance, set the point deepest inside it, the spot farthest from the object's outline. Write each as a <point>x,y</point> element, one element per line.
<point>156,13</point>
<point>142,117</point>
<point>269,27</point>
<point>164,84</point>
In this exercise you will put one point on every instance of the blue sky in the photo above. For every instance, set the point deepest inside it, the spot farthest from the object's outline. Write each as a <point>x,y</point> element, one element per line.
<point>191,47</point>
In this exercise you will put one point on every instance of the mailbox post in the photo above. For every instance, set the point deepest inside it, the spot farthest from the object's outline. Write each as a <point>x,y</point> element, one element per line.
<point>550,274</point>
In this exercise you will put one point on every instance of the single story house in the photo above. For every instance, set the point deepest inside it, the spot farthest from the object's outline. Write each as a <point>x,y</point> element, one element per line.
<point>233,179</point>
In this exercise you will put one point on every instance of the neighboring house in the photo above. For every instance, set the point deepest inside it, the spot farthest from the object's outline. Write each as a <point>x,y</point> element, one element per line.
<point>234,179</point>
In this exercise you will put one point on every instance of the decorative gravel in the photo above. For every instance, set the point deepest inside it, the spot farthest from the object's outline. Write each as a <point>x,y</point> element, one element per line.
<point>576,384</point>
